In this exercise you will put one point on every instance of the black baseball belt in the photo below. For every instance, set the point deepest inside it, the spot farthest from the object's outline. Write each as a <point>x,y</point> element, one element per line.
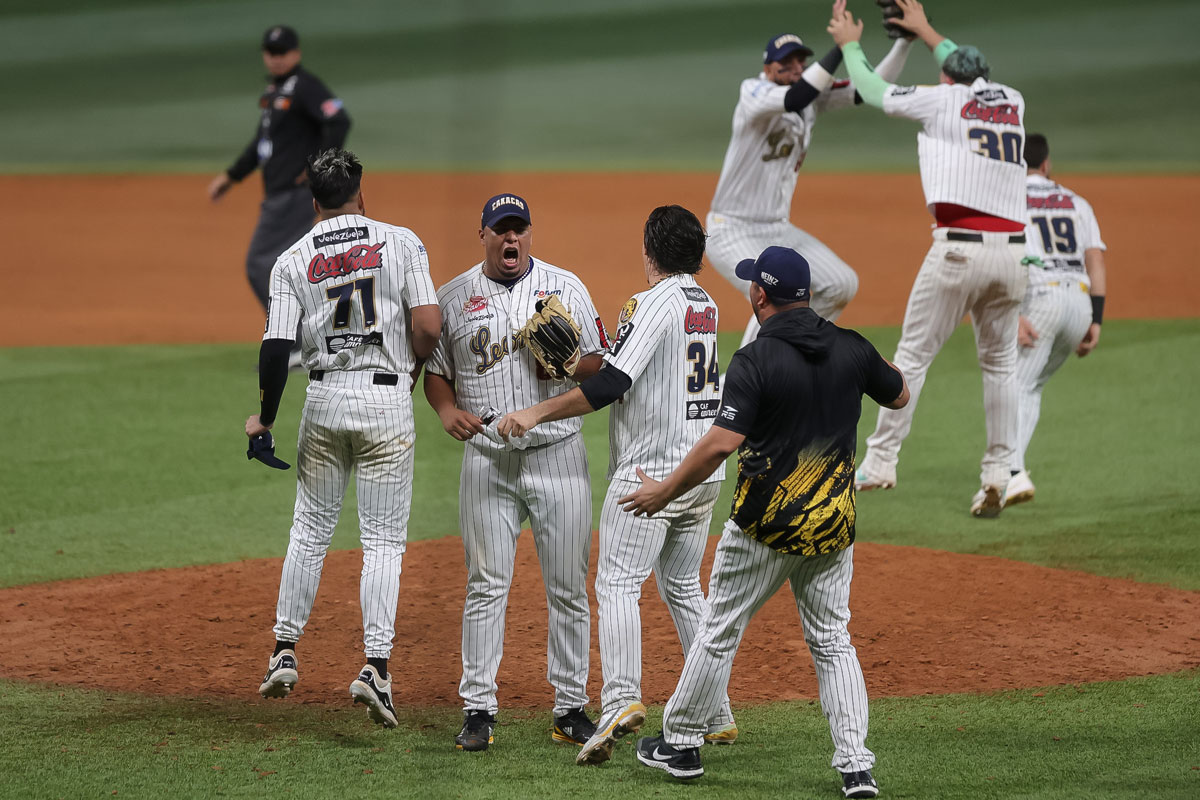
<point>955,236</point>
<point>379,378</point>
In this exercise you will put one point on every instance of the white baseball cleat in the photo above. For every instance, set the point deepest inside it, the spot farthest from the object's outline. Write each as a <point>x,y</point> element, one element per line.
<point>988,502</point>
<point>281,676</point>
<point>612,726</point>
<point>866,481</point>
<point>1020,489</point>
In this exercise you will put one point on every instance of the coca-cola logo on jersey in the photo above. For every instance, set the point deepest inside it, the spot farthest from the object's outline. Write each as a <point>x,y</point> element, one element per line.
<point>1003,114</point>
<point>359,257</point>
<point>1050,201</point>
<point>700,321</point>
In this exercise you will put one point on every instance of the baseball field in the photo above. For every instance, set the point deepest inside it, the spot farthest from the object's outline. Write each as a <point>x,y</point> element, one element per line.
<point>1050,653</point>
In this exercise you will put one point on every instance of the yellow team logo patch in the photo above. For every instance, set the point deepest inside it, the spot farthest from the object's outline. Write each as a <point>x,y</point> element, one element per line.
<point>627,311</point>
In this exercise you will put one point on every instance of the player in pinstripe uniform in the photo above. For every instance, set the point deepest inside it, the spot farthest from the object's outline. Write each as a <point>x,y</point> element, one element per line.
<point>662,371</point>
<point>772,129</point>
<point>351,283</point>
<point>1066,266</point>
<point>480,369</point>
<point>790,407</point>
<point>973,174</point>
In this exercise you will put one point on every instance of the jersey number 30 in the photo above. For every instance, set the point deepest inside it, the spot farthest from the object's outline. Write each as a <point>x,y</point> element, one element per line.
<point>704,369</point>
<point>1003,147</point>
<point>345,293</point>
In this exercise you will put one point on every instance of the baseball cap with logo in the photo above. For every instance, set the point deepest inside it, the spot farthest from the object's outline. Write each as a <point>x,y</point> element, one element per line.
<point>781,46</point>
<point>780,271</point>
<point>280,39</point>
<point>966,64</point>
<point>504,205</point>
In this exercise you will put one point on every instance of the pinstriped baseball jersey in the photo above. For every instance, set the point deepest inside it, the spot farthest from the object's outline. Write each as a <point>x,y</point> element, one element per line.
<point>478,349</point>
<point>970,149</point>
<point>1061,228</point>
<point>348,283</point>
<point>667,344</point>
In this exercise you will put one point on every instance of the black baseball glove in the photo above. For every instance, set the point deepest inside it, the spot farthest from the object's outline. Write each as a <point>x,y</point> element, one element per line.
<point>552,335</point>
<point>892,11</point>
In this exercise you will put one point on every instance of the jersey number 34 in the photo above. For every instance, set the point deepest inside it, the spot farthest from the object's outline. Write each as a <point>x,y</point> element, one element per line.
<point>704,368</point>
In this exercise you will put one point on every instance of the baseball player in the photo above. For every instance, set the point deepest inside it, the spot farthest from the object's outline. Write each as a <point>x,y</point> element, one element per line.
<point>352,284</point>
<point>973,175</point>
<point>298,118</point>
<point>662,370</point>
<point>772,129</point>
<point>791,403</point>
<point>1064,304</point>
<point>480,368</point>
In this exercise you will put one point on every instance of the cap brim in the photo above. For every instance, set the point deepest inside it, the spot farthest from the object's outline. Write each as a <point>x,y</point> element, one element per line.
<point>788,49</point>
<point>491,223</point>
<point>746,269</point>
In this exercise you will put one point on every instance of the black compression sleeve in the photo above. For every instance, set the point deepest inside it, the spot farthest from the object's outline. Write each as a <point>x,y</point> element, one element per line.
<point>802,92</point>
<point>272,377</point>
<point>606,386</point>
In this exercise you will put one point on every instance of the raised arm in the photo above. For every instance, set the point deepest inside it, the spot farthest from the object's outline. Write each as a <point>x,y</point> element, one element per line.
<point>846,32</point>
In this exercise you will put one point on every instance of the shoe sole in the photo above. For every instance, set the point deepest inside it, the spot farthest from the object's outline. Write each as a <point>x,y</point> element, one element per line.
<point>280,684</point>
<point>474,748</point>
<point>991,507</point>
<point>861,791</point>
<point>674,772</point>
<point>629,722</point>
<point>870,487</point>
<point>1020,497</point>
<point>362,693</point>
<point>722,738</point>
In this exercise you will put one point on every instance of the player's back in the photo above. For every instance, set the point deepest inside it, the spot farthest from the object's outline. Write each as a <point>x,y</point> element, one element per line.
<point>766,145</point>
<point>667,343</point>
<point>1061,228</point>
<point>970,148</point>
<point>353,279</point>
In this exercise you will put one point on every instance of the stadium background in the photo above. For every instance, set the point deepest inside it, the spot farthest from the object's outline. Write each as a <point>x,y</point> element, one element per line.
<point>128,335</point>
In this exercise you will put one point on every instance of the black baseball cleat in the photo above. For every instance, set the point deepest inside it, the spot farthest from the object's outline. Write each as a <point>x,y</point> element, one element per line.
<point>281,675</point>
<point>859,784</point>
<point>653,751</point>
<point>476,733</point>
<point>376,694</point>
<point>573,727</point>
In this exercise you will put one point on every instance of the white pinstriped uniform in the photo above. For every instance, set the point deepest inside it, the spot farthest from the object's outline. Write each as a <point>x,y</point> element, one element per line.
<point>1062,227</point>
<point>970,153</point>
<point>542,475</point>
<point>667,344</point>
<point>752,203</point>
<point>349,284</point>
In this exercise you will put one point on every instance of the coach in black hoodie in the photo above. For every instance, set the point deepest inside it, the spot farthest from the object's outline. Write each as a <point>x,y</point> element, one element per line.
<point>790,406</point>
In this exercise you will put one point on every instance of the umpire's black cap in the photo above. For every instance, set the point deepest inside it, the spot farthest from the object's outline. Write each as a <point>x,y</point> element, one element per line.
<point>280,39</point>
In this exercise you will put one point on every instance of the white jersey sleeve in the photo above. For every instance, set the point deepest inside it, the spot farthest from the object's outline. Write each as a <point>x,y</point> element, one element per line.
<point>971,144</point>
<point>1089,228</point>
<point>284,309</point>
<point>418,285</point>
<point>441,360</point>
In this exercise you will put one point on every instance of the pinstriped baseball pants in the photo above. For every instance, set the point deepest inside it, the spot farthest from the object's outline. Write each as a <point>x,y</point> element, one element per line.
<point>1061,315</point>
<point>367,430</point>
<point>987,280</point>
<point>671,543</point>
<point>497,490</point>
<point>833,282</point>
<point>745,575</point>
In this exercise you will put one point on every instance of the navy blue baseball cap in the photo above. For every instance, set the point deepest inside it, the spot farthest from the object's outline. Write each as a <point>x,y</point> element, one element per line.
<point>780,271</point>
<point>504,205</point>
<point>783,45</point>
<point>279,39</point>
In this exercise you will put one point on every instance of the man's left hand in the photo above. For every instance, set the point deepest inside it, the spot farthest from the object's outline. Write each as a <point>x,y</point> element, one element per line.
<point>518,423</point>
<point>843,27</point>
<point>254,427</point>
<point>648,500</point>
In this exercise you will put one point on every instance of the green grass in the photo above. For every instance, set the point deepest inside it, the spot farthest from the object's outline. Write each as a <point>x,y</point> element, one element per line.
<point>1131,739</point>
<point>116,85</point>
<point>131,458</point>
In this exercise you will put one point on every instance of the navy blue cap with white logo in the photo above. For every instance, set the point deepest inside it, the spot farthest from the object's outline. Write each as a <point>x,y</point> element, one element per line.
<point>280,39</point>
<point>780,271</point>
<point>781,46</point>
<point>504,205</point>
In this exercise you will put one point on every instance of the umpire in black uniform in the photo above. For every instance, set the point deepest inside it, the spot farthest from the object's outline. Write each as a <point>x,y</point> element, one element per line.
<point>299,117</point>
<point>790,404</point>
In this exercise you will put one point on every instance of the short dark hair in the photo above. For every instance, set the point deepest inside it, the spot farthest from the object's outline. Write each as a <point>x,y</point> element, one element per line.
<point>1037,150</point>
<point>674,240</point>
<point>334,176</point>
